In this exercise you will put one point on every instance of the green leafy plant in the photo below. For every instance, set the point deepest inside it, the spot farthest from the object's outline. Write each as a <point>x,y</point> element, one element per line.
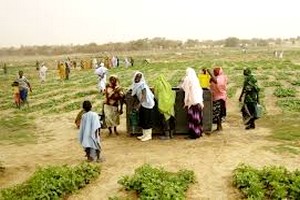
<point>271,182</point>
<point>285,92</point>
<point>156,183</point>
<point>54,182</point>
<point>247,179</point>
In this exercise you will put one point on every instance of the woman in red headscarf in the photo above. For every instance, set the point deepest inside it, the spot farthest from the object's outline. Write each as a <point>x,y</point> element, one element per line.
<point>218,87</point>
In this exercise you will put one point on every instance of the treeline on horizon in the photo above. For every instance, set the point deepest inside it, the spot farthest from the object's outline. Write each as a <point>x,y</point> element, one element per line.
<point>142,44</point>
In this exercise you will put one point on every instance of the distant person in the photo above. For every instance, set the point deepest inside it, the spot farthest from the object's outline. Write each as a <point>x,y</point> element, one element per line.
<point>16,94</point>
<point>74,63</point>
<point>4,68</point>
<point>218,88</point>
<point>101,71</point>
<point>118,61</point>
<point>131,61</point>
<point>165,102</point>
<point>127,63</point>
<point>275,53</point>
<point>107,62</point>
<point>114,61</point>
<point>24,86</point>
<point>280,55</point>
<point>61,70</point>
<point>145,105</point>
<point>89,133</point>
<point>250,93</point>
<point>68,68</point>
<point>37,65</point>
<point>113,104</point>
<point>94,63</point>
<point>43,72</point>
<point>204,78</point>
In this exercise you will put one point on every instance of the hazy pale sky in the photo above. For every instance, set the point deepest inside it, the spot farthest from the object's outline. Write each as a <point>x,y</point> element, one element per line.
<point>59,22</point>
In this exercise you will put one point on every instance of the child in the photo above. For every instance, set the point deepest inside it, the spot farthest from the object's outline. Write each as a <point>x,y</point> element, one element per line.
<point>89,133</point>
<point>16,92</point>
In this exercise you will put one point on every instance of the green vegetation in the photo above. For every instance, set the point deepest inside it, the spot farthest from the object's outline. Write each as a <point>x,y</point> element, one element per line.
<point>285,92</point>
<point>289,104</point>
<point>285,128</point>
<point>17,129</point>
<point>57,97</point>
<point>271,182</point>
<point>156,183</point>
<point>55,182</point>
<point>295,83</point>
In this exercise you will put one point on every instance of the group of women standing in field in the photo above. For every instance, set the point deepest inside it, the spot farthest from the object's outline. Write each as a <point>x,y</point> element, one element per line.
<point>162,94</point>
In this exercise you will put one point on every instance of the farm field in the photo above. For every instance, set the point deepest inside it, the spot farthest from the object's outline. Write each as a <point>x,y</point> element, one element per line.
<point>45,134</point>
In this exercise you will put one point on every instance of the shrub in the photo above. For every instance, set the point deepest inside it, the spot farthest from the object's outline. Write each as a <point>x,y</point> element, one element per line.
<point>271,182</point>
<point>53,182</point>
<point>156,183</point>
<point>247,179</point>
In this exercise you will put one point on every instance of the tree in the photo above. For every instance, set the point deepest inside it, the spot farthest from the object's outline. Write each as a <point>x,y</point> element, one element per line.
<point>232,42</point>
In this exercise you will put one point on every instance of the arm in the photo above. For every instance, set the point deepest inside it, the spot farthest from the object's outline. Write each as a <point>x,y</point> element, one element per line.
<point>121,105</point>
<point>142,99</point>
<point>242,94</point>
<point>27,82</point>
<point>213,78</point>
<point>143,95</point>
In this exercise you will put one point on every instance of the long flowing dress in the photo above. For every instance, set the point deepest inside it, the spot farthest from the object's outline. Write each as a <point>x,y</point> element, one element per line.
<point>251,91</point>
<point>193,99</point>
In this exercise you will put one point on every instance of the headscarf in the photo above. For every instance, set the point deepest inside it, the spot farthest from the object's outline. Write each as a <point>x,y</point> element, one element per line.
<point>101,71</point>
<point>117,80</point>
<point>192,89</point>
<point>250,81</point>
<point>137,90</point>
<point>165,97</point>
<point>247,71</point>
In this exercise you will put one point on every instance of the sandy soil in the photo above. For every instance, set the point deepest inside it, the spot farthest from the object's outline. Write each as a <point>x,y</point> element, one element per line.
<point>212,157</point>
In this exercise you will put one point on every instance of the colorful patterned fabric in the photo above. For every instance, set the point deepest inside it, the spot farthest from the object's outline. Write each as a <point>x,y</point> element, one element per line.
<point>112,115</point>
<point>195,121</point>
<point>219,110</point>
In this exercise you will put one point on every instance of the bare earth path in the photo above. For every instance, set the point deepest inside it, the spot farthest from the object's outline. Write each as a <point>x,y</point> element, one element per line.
<point>213,157</point>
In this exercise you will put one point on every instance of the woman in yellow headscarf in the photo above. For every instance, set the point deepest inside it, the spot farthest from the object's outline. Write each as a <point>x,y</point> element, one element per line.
<point>61,70</point>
